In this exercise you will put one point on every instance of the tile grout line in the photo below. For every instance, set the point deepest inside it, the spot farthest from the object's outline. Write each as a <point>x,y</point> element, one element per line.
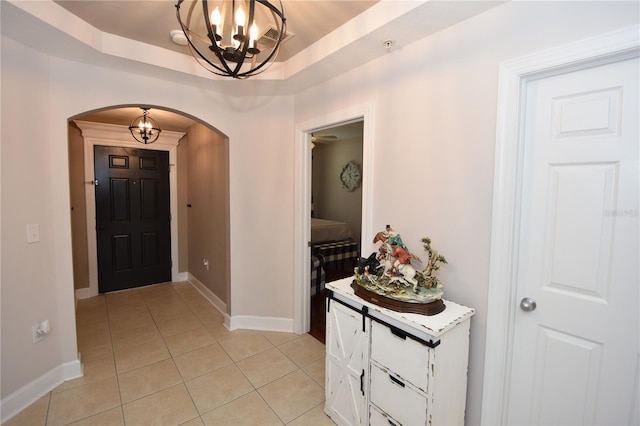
<point>172,357</point>
<point>184,381</point>
<point>146,299</point>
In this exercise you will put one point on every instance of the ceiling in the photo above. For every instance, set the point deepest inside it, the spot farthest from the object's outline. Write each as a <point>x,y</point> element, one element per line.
<point>330,37</point>
<point>151,21</point>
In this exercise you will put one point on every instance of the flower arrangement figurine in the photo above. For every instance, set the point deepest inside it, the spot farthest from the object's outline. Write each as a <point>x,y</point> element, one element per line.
<point>391,272</point>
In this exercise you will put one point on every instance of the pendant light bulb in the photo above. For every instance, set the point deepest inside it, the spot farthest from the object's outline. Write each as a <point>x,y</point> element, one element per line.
<point>216,18</point>
<point>240,16</point>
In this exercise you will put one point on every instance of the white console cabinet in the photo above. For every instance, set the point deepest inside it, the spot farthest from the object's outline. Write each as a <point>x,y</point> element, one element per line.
<point>384,367</point>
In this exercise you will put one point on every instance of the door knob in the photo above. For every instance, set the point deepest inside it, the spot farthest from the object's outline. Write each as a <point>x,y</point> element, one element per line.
<point>528,304</point>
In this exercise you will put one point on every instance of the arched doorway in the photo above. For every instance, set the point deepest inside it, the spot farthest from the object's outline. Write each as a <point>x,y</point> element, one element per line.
<point>197,153</point>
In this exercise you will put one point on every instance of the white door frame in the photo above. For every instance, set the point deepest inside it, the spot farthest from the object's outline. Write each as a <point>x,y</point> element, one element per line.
<point>514,75</point>
<point>116,135</point>
<point>302,200</point>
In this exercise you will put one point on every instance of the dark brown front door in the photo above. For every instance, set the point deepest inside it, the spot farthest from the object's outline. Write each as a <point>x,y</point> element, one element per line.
<point>132,217</point>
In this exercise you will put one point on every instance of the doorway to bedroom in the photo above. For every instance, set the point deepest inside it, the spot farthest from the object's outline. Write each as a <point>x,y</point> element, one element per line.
<point>336,211</point>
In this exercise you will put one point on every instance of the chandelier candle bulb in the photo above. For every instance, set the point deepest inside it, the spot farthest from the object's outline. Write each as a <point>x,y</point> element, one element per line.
<point>240,24</point>
<point>216,19</point>
<point>253,36</point>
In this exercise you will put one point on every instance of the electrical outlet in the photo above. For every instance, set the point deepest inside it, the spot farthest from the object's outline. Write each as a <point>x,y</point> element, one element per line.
<point>39,331</point>
<point>205,262</point>
<point>33,233</point>
<point>35,331</point>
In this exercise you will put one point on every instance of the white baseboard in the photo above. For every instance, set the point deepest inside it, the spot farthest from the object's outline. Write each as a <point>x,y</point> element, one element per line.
<point>247,322</point>
<point>36,389</point>
<point>244,322</point>
<point>227,321</point>
<point>72,370</point>
<point>218,303</point>
<point>85,293</point>
<point>180,277</point>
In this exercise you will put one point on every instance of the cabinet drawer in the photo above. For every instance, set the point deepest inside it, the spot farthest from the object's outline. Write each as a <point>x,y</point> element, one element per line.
<point>378,418</point>
<point>406,357</point>
<point>397,398</point>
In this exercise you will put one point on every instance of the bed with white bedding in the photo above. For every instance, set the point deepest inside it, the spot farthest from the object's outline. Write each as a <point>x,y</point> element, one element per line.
<point>324,230</point>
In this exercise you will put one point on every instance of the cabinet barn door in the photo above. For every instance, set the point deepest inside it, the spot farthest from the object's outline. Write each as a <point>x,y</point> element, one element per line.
<point>346,361</point>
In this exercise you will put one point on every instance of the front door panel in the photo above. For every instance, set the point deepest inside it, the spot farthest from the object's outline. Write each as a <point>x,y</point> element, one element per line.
<point>132,217</point>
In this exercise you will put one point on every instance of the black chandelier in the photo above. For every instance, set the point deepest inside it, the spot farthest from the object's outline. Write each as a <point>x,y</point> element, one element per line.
<point>144,129</point>
<point>217,36</point>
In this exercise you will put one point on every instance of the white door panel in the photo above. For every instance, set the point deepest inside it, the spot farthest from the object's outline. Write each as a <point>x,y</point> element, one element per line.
<point>578,253</point>
<point>575,356</point>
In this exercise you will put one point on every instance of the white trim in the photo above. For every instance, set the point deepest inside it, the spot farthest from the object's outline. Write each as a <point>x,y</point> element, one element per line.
<point>37,388</point>
<point>115,135</point>
<point>302,203</point>
<point>217,303</point>
<point>86,292</point>
<point>514,75</point>
<point>181,277</point>
<point>72,370</point>
<point>248,322</point>
<point>245,322</point>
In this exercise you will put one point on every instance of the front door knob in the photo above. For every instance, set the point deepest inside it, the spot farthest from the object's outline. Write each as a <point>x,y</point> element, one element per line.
<point>528,304</point>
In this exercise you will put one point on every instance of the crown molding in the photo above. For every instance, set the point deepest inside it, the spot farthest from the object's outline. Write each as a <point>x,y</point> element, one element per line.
<point>119,133</point>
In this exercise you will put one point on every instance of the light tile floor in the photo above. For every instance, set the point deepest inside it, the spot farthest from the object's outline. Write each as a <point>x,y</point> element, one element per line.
<point>160,355</point>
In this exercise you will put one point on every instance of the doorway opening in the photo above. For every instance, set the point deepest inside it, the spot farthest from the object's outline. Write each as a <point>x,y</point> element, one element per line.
<point>336,211</point>
<point>182,135</point>
<point>303,195</point>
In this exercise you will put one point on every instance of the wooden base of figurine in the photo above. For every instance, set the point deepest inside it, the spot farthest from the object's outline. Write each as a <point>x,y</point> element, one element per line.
<point>428,309</point>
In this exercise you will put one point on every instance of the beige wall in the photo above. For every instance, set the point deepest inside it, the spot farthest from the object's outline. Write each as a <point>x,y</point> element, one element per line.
<point>183,218</point>
<point>331,201</point>
<point>77,188</point>
<point>32,274</point>
<point>207,175</point>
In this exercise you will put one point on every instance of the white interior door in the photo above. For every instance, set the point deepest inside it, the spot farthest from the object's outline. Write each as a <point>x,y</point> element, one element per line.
<point>575,356</point>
